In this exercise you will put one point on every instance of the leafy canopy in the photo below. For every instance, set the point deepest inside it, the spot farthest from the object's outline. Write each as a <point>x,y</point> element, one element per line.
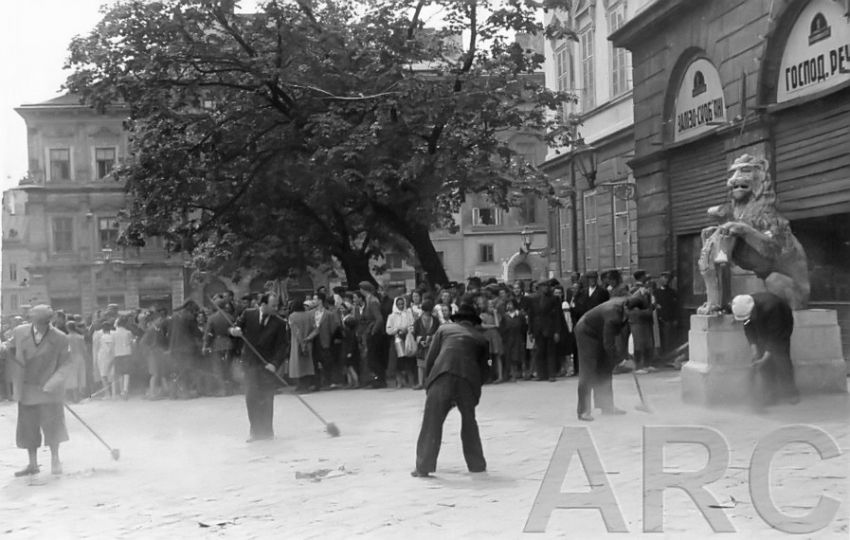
<point>312,129</point>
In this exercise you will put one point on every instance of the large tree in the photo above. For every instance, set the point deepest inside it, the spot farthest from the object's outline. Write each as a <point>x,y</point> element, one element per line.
<point>316,129</point>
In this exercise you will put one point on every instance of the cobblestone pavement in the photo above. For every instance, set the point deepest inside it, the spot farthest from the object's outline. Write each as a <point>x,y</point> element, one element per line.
<point>186,471</point>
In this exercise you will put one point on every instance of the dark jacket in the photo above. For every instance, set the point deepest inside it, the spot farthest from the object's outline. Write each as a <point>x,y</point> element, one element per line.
<point>544,315</point>
<point>771,324</point>
<point>459,349</point>
<point>603,325</point>
<point>269,340</point>
<point>586,301</point>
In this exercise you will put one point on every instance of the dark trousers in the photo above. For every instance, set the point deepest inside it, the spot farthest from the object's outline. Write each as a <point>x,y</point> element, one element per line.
<point>259,399</point>
<point>545,356</point>
<point>445,392</point>
<point>667,329</point>
<point>595,376</point>
<point>375,345</point>
<point>773,381</point>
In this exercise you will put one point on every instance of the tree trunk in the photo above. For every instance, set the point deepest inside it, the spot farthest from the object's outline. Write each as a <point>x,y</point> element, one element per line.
<point>356,267</point>
<point>418,235</point>
<point>420,239</point>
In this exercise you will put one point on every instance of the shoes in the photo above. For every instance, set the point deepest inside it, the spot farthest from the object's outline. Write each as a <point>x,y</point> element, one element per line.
<point>416,473</point>
<point>475,471</point>
<point>255,439</point>
<point>56,468</point>
<point>553,379</point>
<point>613,412</point>
<point>28,471</point>
<point>586,417</point>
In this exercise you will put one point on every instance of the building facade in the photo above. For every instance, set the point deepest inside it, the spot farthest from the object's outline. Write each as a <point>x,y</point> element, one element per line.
<point>597,227</point>
<point>714,80</point>
<point>70,217</point>
<point>15,280</point>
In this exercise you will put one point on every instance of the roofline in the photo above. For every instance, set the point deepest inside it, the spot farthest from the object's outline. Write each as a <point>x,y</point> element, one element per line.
<point>645,21</point>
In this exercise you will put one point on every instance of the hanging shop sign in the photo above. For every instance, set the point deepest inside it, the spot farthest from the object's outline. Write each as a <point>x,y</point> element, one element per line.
<point>700,105</point>
<point>817,53</point>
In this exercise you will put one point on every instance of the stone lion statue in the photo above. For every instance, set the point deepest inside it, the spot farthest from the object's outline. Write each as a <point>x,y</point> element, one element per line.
<point>753,235</point>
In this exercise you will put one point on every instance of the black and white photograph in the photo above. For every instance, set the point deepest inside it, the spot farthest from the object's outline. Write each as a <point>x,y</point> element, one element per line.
<point>356,269</point>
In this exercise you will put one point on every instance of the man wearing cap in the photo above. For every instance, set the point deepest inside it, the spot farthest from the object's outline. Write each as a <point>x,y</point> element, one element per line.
<point>455,367</point>
<point>596,334</point>
<point>374,328</point>
<point>768,325</point>
<point>42,361</point>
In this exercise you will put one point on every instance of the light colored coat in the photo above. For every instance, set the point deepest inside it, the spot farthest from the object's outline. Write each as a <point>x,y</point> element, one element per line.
<point>40,370</point>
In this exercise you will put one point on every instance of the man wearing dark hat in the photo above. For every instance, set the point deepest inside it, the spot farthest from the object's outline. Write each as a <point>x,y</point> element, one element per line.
<point>597,333</point>
<point>373,326</point>
<point>768,325</point>
<point>42,362</point>
<point>544,318</point>
<point>455,367</point>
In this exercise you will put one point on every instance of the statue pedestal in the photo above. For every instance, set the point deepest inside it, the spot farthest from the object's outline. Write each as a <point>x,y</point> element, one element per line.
<point>718,369</point>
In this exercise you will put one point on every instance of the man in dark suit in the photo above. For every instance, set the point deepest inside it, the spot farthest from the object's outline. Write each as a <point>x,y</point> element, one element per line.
<point>544,316</point>
<point>768,325</point>
<point>259,327</point>
<point>597,333</point>
<point>373,322</point>
<point>455,366</point>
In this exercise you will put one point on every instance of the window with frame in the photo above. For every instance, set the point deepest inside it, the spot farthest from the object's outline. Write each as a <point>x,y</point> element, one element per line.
<point>485,253</point>
<point>622,233</point>
<point>394,261</point>
<point>588,94</point>
<point>620,60</point>
<point>13,272</point>
<point>486,216</point>
<point>63,234</point>
<point>591,232</point>
<point>562,67</point>
<point>104,161</point>
<point>60,164</point>
<point>108,230</point>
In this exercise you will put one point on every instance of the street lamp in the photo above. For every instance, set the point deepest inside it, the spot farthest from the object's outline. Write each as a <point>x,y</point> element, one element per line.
<point>584,155</point>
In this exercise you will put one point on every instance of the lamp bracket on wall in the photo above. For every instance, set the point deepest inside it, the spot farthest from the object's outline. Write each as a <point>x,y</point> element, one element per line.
<point>625,191</point>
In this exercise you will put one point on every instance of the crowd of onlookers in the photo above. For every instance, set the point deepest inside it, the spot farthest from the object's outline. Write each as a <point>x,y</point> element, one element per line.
<point>356,338</point>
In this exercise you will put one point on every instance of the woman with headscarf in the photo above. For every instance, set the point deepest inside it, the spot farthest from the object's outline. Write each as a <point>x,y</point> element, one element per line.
<point>402,352</point>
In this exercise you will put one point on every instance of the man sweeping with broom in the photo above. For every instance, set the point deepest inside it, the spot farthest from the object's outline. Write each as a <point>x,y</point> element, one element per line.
<point>267,336</point>
<point>596,334</point>
<point>42,363</point>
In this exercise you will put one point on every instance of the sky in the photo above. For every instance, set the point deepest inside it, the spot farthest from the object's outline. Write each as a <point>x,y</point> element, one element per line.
<point>34,38</point>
